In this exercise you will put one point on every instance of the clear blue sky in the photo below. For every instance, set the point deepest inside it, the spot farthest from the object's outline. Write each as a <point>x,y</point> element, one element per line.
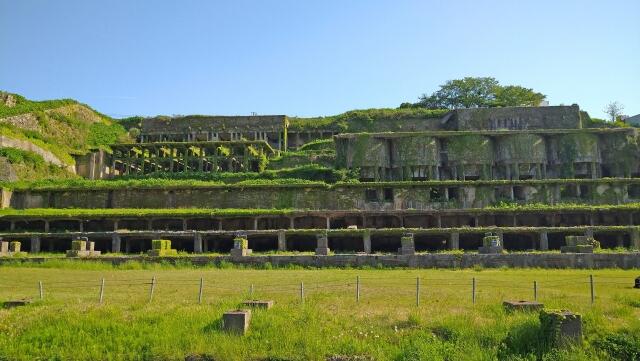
<point>320,57</point>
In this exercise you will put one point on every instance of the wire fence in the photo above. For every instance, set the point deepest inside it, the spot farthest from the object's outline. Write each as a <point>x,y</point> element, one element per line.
<point>415,289</point>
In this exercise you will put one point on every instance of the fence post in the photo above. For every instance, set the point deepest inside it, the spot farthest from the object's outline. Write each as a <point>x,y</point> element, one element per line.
<point>473,290</point>
<point>102,290</point>
<point>251,291</point>
<point>357,288</point>
<point>41,290</point>
<point>535,291</point>
<point>593,295</point>
<point>302,292</point>
<point>200,291</point>
<point>417,291</point>
<point>153,286</point>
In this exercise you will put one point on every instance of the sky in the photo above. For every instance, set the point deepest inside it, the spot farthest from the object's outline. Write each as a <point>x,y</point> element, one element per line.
<point>313,57</point>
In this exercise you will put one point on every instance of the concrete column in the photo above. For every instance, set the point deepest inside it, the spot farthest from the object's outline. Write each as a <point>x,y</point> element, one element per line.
<point>184,224</point>
<point>255,223</point>
<point>282,241</point>
<point>439,221</point>
<point>588,233</point>
<point>35,244</point>
<point>454,240</point>
<point>12,226</point>
<point>291,223</point>
<point>197,243</point>
<point>116,242</point>
<point>115,225</point>
<point>328,223</point>
<point>46,226</point>
<point>205,245</point>
<point>366,240</point>
<point>544,241</point>
<point>127,246</point>
<point>635,238</point>
<point>81,225</point>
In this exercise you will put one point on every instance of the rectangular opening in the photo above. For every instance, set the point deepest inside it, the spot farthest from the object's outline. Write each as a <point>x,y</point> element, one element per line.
<point>388,194</point>
<point>519,193</point>
<point>585,191</point>
<point>453,193</point>
<point>634,191</point>
<point>435,194</point>
<point>371,195</point>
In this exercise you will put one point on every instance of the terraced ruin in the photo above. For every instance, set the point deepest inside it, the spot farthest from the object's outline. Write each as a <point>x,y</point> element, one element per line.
<point>351,186</point>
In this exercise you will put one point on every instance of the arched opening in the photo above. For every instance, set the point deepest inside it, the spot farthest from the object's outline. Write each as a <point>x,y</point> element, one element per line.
<point>29,226</point>
<point>202,224</point>
<point>383,222</point>
<point>345,222</point>
<point>420,221</point>
<point>167,224</point>
<point>133,224</point>
<point>310,222</point>
<point>273,223</point>
<point>61,226</point>
<point>237,224</point>
<point>97,225</point>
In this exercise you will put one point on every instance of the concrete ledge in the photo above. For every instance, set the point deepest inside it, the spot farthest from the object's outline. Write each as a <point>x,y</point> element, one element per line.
<point>514,260</point>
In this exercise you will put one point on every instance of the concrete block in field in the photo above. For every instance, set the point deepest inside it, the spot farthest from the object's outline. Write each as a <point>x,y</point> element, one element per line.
<point>322,244</point>
<point>15,303</point>
<point>236,321</point>
<point>522,306</point>
<point>266,304</point>
<point>561,327</point>
<point>407,245</point>
<point>4,247</point>
<point>14,247</point>
<point>491,244</point>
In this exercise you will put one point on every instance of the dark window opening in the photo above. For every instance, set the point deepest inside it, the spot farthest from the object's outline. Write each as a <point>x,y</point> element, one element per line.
<point>371,195</point>
<point>585,191</point>
<point>388,194</point>
<point>519,194</point>
<point>435,194</point>
<point>634,191</point>
<point>453,193</point>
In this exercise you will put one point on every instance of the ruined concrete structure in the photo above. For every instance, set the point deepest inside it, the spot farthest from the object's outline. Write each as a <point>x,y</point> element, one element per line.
<point>426,184</point>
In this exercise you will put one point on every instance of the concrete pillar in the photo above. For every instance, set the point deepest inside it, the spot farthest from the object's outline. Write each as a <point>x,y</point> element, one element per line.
<point>291,223</point>
<point>282,241</point>
<point>35,244</point>
<point>635,238</point>
<point>184,225</point>
<point>328,223</point>
<point>544,241</point>
<point>439,221</point>
<point>46,226</point>
<point>197,242</point>
<point>116,243</point>
<point>81,225</point>
<point>127,246</point>
<point>255,223</point>
<point>205,245</point>
<point>366,240</point>
<point>115,225</point>
<point>588,233</point>
<point>454,240</point>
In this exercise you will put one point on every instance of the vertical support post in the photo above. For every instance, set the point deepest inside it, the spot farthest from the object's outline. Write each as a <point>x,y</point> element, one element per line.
<point>101,290</point>
<point>454,240</point>
<point>417,291</point>
<point>251,291</point>
<point>544,241</point>
<point>152,288</point>
<point>282,241</point>
<point>357,288</point>
<point>366,240</point>
<point>197,242</point>
<point>116,243</point>
<point>473,290</point>
<point>200,290</point>
<point>593,295</point>
<point>41,290</point>
<point>35,244</point>
<point>535,291</point>
<point>302,292</point>
<point>635,238</point>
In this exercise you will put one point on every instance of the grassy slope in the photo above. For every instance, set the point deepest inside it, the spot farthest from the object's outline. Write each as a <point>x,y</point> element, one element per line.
<point>64,127</point>
<point>386,325</point>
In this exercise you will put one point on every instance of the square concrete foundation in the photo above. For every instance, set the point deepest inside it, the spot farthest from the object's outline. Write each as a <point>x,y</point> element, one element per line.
<point>522,306</point>
<point>266,304</point>
<point>490,249</point>
<point>76,253</point>
<point>564,327</point>
<point>15,303</point>
<point>240,252</point>
<point>236,321</point>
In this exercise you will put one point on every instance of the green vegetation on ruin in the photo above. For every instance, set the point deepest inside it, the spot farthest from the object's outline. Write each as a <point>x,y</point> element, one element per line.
<point>31,166</point>
<point>70,324</point>
<point>364,119</point>
<point>232,212</point>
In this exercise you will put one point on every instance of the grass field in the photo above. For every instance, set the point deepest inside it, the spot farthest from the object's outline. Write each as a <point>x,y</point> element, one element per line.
<point>386,324</point>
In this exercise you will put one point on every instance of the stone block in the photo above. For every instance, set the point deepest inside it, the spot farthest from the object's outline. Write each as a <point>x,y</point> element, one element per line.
<point>266,304</point>
<point>78,245</point>
<point>561,327</point>
<point>490,249</point>
<point>240,243</point>
<point>162,252</point>
<point>4,247</point>
<point>407,245</point>
<point>637,284</point>
<point>322,251</point>
<point>522,306</point>
<point>15,303</point>
<point>240,252</point>
<point>14,247</point>
<point>236,321</point>
<point>75,253</point>
<point>160,244</point>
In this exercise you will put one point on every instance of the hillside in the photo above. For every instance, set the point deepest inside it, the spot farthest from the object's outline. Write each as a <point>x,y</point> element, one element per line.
<point>40,138</point>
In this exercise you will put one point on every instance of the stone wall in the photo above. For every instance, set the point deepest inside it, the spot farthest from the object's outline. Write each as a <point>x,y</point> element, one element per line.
<point>515,118</point>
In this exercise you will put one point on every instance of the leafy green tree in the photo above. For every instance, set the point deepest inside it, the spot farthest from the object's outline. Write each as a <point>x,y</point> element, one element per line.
<point>516,96</point>
<point>475,92</point>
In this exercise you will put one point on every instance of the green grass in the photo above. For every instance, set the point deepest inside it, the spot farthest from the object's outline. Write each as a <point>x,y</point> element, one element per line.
<point>70,324</point>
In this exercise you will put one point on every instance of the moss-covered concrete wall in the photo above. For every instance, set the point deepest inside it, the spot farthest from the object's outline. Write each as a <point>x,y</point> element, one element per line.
<point>470,149</point>
<point>521,148</point>
<point>516,118</point>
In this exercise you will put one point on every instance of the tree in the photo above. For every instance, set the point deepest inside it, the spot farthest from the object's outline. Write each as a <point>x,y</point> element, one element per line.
<point>516,96</point>
<point>614,110</point>
<point>474,92</point>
